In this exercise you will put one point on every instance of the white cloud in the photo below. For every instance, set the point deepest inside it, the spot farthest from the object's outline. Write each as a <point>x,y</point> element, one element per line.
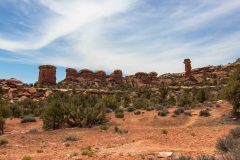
<point>91,27</point>
<point>72,16</point>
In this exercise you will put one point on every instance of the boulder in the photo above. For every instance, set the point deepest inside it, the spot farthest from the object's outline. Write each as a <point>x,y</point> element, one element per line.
<point>165,154</point>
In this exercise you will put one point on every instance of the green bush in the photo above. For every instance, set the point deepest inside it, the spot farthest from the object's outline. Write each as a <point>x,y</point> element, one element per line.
<point>79,110</point>
<point>140,103</point>
<point>229,145</point>
<point>178,111</point>
<point>5,111</point>
<point>87,152</point>
<point>28,118</point>
<point>68,138</point>
<point>137,112</point>
<point>232,91</point>
<point>119,113</point>
<point>27,158</point>
<point>163,113</point>
<point>185,99</point>
<point>205,157</point>
<point>201,95</point>
<point>204,113</point>
<point>104,127</point>
<point>131,109</point>
<point>3,141</point>
<point>183,158</point>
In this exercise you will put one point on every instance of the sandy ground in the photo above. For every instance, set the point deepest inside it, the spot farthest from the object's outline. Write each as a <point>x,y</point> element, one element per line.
<point>186,135</point>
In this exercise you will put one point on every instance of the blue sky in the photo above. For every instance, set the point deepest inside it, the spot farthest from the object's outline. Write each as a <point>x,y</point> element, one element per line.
<point>132,35</point>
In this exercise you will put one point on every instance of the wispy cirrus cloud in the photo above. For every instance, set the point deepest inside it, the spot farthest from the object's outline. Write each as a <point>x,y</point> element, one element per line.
<point>133,35</point>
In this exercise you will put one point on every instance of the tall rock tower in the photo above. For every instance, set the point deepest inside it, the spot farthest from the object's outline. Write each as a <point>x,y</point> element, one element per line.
<point>188,68</point>
<point>47,74</point>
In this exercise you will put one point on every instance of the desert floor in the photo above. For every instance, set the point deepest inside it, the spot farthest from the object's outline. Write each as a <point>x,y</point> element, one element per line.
<point>186,135</point>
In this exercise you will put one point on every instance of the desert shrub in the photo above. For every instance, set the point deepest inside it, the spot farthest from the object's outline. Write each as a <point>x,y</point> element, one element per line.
<point>87,152</point>
<point>119,113</point>
<point>16,110</point>
<point>3,141</point>
<point>137,112</point>
<point>131,109</point>
<point>187,113</point>
<point>140,103</point>
<point>206,157</point>
<point>110,102</point>
<point>178,111</point>
<point>164,131</point>
<point>185,99</point>
<point>28,118</point>
<point>28,106</point>
<point>204,113</point>
<point>68,138</point>
<point>2,123</point>
<point>5,111</point>
<point>53,117</point>
<point>104,127</point>
<point>163,113</point>
<point>201,95</point>
<point>235,133</point>
<point>229,145</point>
<point>1,92</point>
<point>27,158</point>
<point>183,158</point>
<point>232,91</point>
<point>120,131</point>
<point>127,101</point>
<point>149,108</point>
<point>79,110</point>
<point>172,100</point>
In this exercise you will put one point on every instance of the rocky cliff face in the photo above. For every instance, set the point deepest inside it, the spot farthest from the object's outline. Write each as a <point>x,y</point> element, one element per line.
<point>47,75</point>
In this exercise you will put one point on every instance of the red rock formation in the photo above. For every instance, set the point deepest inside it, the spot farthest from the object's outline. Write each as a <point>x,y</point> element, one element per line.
<point>100,75</point>
<point>47,74</point>
<point>116,77</point>
<point>188,68</point>
<point>71,74</point>
<point>153,77</point>
<point>86,74</point>
<point>142,77</point>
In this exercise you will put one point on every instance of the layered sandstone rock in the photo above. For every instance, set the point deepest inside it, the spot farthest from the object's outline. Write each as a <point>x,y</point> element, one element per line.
<point>71,74</point>
<point>47,74</point>
<point>86,74</point>
<point>116,77</point>
<point>188,68</point>
<point>100,75</point>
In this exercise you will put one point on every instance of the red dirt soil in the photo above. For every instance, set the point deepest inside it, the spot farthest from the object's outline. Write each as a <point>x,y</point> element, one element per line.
<point>186,135</point>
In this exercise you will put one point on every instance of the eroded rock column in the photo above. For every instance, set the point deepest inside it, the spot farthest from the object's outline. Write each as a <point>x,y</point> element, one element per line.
<point>188,68</point>
<point>47,74</point>
<point>71,74</point>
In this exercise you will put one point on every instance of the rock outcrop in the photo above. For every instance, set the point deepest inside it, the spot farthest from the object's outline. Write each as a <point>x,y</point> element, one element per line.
<point>116,77</point>
<point>47,75</point>
<point>100,75</point>
<point>86,74</point>
<point>71,74</point>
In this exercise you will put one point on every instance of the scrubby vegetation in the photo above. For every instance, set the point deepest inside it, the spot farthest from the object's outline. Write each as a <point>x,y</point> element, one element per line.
<point>232,91</point>
<point>229,146</point>
<point>28,118</point>
<point>3,141</point>
<point>75,111</point>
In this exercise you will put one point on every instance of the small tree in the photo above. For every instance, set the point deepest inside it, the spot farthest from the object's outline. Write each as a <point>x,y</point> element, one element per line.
<point>232,91</point>
<point>53,117</point>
